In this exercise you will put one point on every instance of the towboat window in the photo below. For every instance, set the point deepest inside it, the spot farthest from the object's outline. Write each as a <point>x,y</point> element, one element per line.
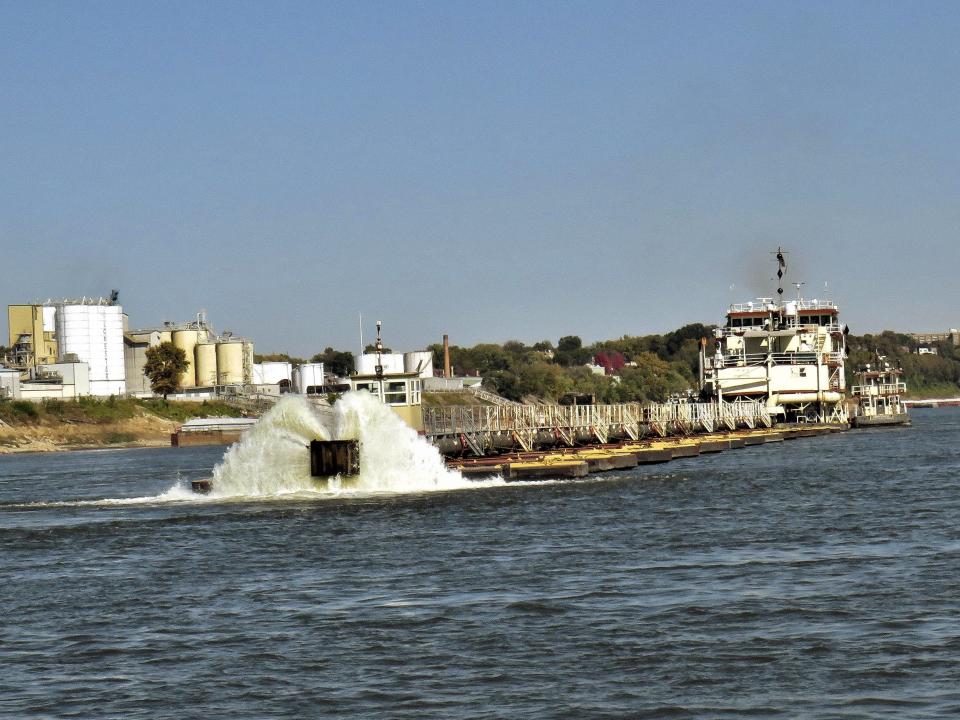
<point>396,393</point>
<point>369,387</point>
<point>415,388</point>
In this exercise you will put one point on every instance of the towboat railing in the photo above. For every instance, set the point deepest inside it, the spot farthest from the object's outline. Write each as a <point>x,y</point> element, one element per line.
<point>761,359</point>
<point>881,389</point>
<point>529,426</point>
<point>766,305</point>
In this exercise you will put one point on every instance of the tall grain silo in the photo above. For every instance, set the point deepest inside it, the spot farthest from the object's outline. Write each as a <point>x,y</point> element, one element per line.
<point>230,362</point>
<point>186,340</point>
<point>206,356</point>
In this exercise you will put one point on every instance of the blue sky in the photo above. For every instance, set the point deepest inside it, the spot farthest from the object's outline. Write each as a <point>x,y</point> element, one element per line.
<point>490,170</point>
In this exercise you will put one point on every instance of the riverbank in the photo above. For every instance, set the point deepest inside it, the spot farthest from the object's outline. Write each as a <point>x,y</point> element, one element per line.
<point>932,402</point>
<point>90,423</point>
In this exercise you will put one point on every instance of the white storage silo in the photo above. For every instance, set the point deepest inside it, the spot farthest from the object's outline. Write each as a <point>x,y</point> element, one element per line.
<point>93,331</point>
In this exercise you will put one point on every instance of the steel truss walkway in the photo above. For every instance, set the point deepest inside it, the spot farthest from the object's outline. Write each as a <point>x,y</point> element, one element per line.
<point>479,430</point>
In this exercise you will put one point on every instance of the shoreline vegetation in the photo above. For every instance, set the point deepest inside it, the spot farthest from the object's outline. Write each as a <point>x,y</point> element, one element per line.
<point>97,423</point>
<point>649,368</point>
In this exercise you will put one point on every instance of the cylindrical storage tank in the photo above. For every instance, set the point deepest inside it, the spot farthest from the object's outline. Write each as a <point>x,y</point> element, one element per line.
<point>166,336</point>
<point>309,377</point>
<point>247,362</point>
<point>392,363</point>
<point>186,340</point>
<point>206,356</point>
<point>420,361</point>
<point>230,363</point>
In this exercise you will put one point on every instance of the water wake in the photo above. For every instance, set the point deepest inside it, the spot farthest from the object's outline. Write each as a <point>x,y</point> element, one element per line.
<point>272,459</point>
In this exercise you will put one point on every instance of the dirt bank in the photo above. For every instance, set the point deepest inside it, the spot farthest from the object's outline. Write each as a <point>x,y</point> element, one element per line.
<point>141,431</point>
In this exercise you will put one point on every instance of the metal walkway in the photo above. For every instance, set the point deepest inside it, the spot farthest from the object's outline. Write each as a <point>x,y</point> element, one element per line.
<point>479,430</point>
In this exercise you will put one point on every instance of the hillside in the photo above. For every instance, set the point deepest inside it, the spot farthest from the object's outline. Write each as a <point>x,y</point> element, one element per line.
<point>927,376</point>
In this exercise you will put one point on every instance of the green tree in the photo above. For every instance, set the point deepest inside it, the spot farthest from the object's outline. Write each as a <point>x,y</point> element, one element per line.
<point>278,357</point>
<point>338,362</point>
<point>570,351</point>
<point>165,364</point>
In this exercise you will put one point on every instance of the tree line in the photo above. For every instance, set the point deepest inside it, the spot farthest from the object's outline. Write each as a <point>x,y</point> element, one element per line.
<point>933,375</point>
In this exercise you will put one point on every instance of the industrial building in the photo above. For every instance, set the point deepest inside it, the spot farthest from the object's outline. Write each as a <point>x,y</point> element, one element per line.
<point>214,362</point>
<point>952,336</point>
<point>73,348</point>
<point>49,340</point>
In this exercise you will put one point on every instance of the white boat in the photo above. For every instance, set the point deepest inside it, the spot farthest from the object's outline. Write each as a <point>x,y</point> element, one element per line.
<point>787,353</point>
<point>878,396</point>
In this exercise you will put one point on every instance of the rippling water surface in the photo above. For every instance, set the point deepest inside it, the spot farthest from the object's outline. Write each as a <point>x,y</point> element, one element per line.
<point>817,578</point>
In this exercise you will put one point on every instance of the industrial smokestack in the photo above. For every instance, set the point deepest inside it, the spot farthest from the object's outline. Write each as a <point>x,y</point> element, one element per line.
<point>446,356</point>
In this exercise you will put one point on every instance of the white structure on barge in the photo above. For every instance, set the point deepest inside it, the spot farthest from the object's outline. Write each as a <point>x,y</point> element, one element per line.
<point>878,396</point>
<point>787,353</point>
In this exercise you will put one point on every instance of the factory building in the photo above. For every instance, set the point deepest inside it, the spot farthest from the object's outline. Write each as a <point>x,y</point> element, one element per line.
<point>49,339</point>
<point>72,348</point>
<point>61,381</point>
<point>214,362</point>
<point>32,335</point>
<point>952,336</point>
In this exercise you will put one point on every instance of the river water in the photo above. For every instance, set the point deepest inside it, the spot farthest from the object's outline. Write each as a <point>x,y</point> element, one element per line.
<point>818,578</point>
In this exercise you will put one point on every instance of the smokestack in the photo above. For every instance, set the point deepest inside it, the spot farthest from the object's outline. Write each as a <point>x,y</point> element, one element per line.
<point>446,356</point>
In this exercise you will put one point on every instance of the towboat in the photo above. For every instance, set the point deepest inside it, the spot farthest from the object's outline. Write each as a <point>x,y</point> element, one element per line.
<point>788,354</point>
<point>878,395</point>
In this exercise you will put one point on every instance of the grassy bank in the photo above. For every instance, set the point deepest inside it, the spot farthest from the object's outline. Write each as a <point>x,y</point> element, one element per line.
<point>97,422</point>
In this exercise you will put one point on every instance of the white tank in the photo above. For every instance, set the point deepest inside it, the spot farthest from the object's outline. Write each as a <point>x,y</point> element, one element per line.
<point>276,371</point>
<point>392,363</point>
<point>230,362</point>
<point>206,358</point>
<point>308,376</point>
<point>94,333</point>
<point>186,340</point>
<point>420,361</point>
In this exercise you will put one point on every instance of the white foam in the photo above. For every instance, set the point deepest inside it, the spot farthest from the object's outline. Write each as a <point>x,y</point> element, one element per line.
<point>273,458</point>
